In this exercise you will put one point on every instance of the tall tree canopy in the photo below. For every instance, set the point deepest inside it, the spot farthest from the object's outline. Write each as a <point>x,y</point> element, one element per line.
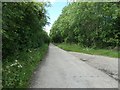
<point>91,24</point>
<point>22,25</point>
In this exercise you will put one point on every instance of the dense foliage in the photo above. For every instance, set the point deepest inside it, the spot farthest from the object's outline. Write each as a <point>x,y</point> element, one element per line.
<point>89,24</point>
<point>22,25</point>
<point>24,42</point>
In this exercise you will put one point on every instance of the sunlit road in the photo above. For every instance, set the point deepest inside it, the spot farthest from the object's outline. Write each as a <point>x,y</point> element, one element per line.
<point>106,64</point>
<point>59,69</point>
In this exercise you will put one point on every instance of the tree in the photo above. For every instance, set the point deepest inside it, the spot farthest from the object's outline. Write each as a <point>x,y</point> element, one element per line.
<point>91,24</point>
<point>22,25</point>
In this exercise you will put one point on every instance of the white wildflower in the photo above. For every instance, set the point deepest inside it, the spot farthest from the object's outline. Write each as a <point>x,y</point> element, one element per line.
<point>12,65</point>
<point>19,66</point>
<point>16,60</point>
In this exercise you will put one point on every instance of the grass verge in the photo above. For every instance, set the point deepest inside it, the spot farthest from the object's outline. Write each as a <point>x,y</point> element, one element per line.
<point>77,48</point>
<point>17,69</point>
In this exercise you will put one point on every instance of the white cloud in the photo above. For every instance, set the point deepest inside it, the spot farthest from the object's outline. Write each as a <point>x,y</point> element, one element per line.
<point>52,1</point>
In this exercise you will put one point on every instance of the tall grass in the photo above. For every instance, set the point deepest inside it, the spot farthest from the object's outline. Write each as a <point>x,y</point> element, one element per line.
<point>17,69</point>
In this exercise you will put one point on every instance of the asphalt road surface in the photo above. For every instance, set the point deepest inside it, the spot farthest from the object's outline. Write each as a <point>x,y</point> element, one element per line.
<point>106,64</point>
<point>60,69</point>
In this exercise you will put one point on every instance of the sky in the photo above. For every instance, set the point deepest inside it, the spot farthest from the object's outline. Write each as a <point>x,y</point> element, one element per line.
<point>54,11</point>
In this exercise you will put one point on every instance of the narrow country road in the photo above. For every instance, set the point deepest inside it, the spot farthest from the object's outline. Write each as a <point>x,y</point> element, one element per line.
<point>60,69</point>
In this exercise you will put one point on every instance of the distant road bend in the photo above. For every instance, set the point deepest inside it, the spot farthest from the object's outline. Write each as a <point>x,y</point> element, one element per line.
<point>60,69</point>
